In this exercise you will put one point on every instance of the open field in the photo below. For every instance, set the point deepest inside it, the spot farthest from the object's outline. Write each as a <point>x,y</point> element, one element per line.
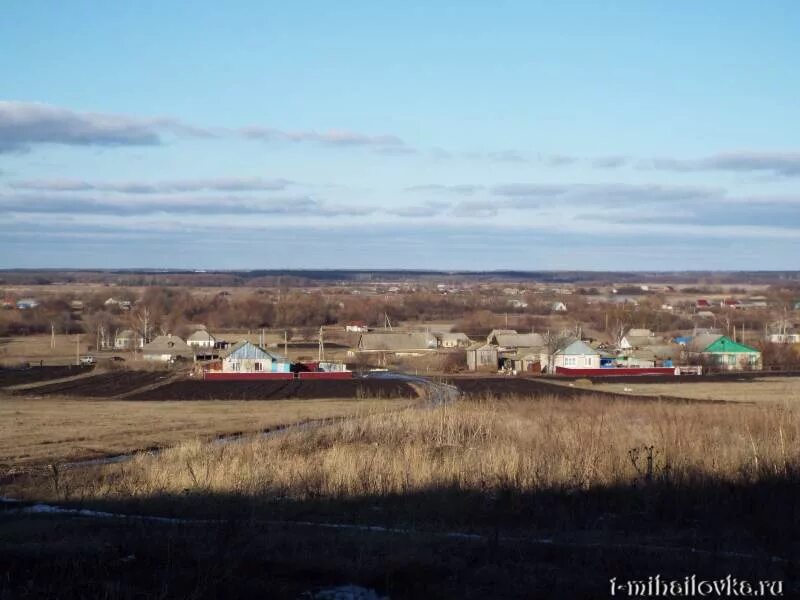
<point>768,389</point>
<point>36,348</point>
<point>38,431</point>
<point>473,499</point>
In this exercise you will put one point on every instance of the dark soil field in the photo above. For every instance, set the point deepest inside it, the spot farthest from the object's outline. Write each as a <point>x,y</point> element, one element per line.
<point>478,387</point>
<point>277,390</point>
<point>503,386</point>
<point>10,377</point>
<point>98,386</point>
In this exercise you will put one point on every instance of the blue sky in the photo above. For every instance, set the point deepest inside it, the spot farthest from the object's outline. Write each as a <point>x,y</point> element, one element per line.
<point>452,135</point>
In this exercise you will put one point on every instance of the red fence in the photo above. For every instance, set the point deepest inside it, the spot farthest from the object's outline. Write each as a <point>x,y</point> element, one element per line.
<point>616,371</point>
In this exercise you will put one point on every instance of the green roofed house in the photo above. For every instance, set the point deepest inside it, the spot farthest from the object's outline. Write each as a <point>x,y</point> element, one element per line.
<point>722,352</point>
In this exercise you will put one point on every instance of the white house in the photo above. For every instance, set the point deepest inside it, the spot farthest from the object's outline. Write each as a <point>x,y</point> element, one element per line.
<point>577,355</point>
<point>246,357</point>
<point>201,339</point>
<point>127,339</point>
<point>558,307</point>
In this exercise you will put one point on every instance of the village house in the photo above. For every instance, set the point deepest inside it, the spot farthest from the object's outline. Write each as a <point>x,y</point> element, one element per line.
<point>201,339</point>
<point>559,307</point>
<point>356,327</point>
<point>246,357</point>
<point>167,348</point>
<point>640,338</point>
<point>27,303</point>
<point>576,355</point>
<point>400,343</point>
<point>723,353</point>
<point>452,340</point>
<point>509,338</point>
<point>789,337</point>
<point>127,339</point>
<point>482,357</point>
<point>121,304</point>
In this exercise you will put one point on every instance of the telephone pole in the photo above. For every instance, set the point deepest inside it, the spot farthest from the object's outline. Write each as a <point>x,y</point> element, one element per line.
<point>78,350</point>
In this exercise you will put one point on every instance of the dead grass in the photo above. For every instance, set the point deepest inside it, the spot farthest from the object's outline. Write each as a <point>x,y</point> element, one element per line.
<point>480,446</point>
<point>773,389</point>
<point>37,431</point>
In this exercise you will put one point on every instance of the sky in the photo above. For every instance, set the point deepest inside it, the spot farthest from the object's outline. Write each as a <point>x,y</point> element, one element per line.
<point>627,135</point>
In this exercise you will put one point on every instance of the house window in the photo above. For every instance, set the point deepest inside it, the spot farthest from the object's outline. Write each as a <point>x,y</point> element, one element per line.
<point>257,366</point>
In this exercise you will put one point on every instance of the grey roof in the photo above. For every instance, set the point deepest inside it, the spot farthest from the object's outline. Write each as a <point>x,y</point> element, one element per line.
<point>126,333</point>
<point>658,352</point>
<point>639,333</point>
<point>578,348</point>
<point>496,332</point>
<point>638,341</point>
<point>459,337</point>
<point>201,335</point>
<point>397,341</point>
<point>701,342</point>
<point>519,340</point>
<point>168,344</point>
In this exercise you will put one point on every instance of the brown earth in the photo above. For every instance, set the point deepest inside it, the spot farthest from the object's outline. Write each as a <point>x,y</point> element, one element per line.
<point>9,377</point>
<point>98,386</point>
<point>277,390</point>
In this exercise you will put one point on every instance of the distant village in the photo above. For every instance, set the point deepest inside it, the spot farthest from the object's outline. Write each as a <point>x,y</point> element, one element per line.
<point>553,330</point>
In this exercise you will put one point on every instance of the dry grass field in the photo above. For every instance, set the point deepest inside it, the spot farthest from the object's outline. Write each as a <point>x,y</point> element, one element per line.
<point>488,497</point>
<point>771,389</point>
<point>478,446</point>
<point>40,431</point>
<point>36,348</point>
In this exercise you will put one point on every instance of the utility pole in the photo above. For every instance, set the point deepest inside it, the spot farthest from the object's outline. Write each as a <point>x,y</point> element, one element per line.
<point>321,346</point>
<point>52,336</point>
<point>78,350</point>
<point>285,345</point>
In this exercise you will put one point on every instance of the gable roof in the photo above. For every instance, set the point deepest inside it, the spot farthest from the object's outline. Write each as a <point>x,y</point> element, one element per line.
<point>727,345</point>
<point>201,335</point>
<point>454,337</point>
<point>578,348</point>
<point>518,340</point>
<point>496,332</point>
<point>637,341</point>
<point>246,349</point>
<point>168,344</point>
<point>397,341</point>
